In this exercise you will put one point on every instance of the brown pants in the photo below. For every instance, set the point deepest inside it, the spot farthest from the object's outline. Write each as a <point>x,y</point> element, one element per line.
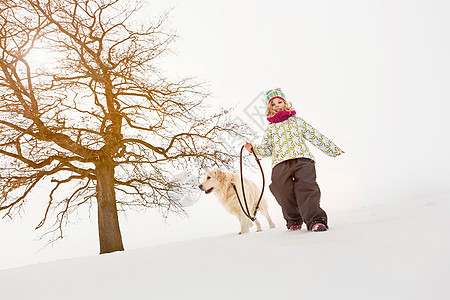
<point>296,190</point>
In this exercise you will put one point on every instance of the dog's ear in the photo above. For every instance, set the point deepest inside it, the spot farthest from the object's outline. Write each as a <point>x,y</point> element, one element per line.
<point>220,175</point>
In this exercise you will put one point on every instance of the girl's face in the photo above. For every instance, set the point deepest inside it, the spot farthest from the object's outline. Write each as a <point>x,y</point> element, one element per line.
<point>278,105</point>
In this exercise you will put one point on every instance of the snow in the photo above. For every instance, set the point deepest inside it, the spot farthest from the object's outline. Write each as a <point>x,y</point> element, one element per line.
<point>394,250</point>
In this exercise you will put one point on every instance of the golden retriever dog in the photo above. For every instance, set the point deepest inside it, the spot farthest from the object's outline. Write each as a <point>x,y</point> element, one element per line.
<point>221,184</point>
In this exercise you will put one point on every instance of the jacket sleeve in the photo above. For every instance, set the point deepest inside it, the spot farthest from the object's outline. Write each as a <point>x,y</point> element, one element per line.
<point>266,147</point>
<point>317,139</point>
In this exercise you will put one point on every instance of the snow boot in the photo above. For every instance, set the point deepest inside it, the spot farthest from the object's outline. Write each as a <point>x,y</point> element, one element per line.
<point>295,227</point>
<point>319,227</point>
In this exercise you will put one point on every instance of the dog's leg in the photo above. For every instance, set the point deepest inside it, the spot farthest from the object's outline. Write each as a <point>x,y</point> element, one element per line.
<point>244,224</point>
<point>258,225</point>
<point>265,212</point>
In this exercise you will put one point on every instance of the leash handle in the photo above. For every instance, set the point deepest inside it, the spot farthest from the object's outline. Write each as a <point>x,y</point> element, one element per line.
<point>263,182</point>
<point>246,210</point>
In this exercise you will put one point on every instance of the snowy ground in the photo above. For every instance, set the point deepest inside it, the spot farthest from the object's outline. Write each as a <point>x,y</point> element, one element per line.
<point>391,251</point>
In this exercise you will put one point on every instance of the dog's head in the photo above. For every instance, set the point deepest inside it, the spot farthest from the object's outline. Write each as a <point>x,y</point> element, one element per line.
<point>214,180</point>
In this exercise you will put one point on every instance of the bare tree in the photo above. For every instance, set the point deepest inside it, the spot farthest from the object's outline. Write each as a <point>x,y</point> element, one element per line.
<point>103,123</point>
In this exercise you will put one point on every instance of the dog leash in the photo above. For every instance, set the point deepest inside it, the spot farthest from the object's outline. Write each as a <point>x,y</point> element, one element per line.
<point>246,209</point>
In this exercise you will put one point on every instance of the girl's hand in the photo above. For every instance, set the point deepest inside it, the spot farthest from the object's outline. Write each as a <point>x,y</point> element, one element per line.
<point>248,146</point>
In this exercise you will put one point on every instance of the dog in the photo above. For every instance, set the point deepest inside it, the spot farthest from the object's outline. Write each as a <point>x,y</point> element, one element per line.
<point>221,184</point>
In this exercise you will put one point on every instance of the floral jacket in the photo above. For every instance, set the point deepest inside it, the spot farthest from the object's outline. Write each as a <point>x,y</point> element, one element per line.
<point>286,140</point>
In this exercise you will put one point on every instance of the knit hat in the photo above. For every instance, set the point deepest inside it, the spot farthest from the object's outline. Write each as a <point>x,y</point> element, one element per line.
<point>275,93</point>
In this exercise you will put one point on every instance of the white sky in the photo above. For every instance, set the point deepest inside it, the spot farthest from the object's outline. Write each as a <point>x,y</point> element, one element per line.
<point>373,76</point>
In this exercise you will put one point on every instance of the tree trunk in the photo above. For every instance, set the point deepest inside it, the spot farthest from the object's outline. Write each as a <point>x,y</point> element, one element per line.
<point>108,220</point>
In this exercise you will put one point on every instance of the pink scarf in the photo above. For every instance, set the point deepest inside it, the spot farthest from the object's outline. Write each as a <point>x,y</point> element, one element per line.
<point>281,116</point>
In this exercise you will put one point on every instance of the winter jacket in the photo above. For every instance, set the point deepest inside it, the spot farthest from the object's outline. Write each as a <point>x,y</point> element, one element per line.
<point>286,140</point>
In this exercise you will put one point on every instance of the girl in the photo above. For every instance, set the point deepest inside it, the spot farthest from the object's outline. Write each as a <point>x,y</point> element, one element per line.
<point>293,172</point>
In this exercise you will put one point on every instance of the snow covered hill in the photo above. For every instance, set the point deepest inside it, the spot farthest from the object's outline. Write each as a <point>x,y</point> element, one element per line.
<point>390,251</point>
